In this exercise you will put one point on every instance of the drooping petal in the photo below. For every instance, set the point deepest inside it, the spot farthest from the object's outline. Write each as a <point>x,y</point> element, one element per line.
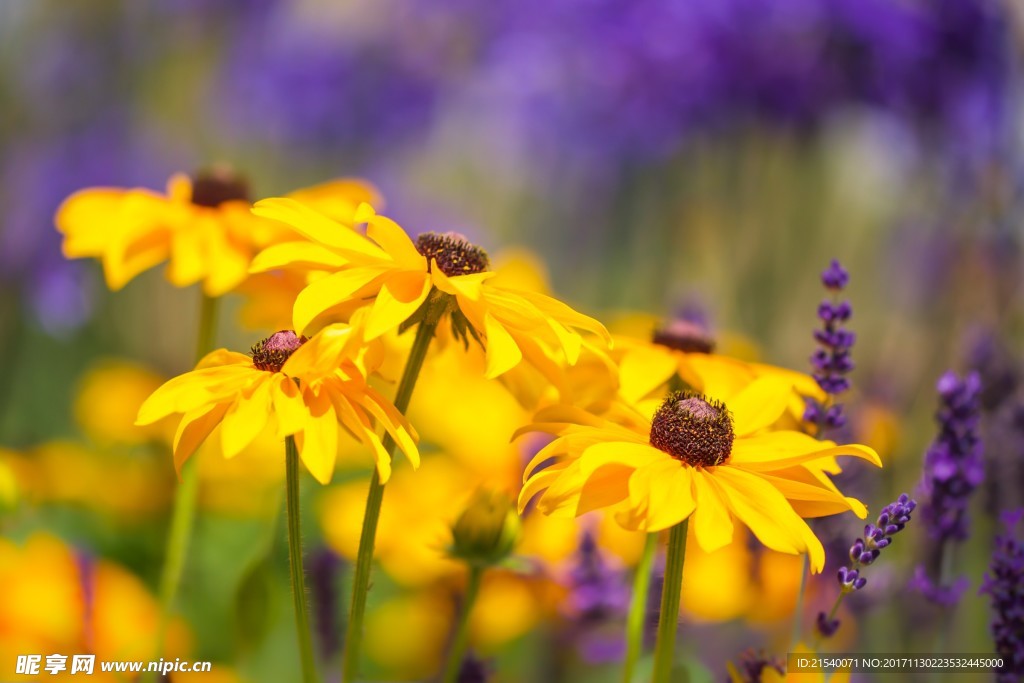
<point>712,523</point>
<point>395,241</point>
<point>193,429</point>
<point>667,485</point>
<point>768,515</point>
<point>396,301</point>
<point>289,408</point>
<point>320,437</point>
<point>502,352</point>
<point>247,416</point>
<point>777,450</point>
<point>809,500</point>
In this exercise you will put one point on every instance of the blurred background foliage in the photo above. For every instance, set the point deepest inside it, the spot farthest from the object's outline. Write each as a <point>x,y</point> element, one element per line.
<point>703,157</point>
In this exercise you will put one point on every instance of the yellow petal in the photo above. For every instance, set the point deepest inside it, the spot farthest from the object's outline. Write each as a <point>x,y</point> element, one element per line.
<point>247,417</point>
<point>768,515</point>
<point>308,255</point>
<point>760,404</point>
<point>320,437</point>
<point>393,240</point>
<point>539,482</point>
<point>668,487</point>
<point>712,523</point>
<point>393,304</point>
<point>716,376</point>
<point>330,291</point>
<point>502,352</point>
<point>644,369</point>
<point>193,429</point>
<point>777,450</point>
<point>317,227</point>
<point>289,408</point>
<point>635,455</point>
<point>809,500</point>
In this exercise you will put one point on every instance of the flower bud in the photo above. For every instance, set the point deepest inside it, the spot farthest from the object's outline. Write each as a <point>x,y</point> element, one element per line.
<point>487,530</point>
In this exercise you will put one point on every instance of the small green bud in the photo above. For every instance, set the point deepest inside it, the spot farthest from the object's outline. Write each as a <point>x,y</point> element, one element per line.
<point>487,530</point>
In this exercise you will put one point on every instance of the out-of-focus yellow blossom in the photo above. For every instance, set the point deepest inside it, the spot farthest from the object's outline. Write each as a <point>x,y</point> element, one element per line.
<point>507,607</point>
<point>695,456</point>
<point>407,635</point>
<point>57,601</point>
<point>415,522</point>
<point>777,578</point>
<point>108,398</point>
<point>306,388</point>
<point>128,486</point>
<point>218,673</point>
<point>728,569</point>
<point>878,425</point>
<point>554,540</point>
<point>202,227</point>
<point>392,276</point>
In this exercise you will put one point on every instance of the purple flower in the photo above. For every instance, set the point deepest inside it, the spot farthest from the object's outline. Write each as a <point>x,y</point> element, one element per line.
<point>831,362</point>
<point>324,573</point>
<point>953,465</point>
<point>953,468</point>
<point>863,553</point>
<point>1004,583</point>
<point>474,670</point>
<point>598,597</point>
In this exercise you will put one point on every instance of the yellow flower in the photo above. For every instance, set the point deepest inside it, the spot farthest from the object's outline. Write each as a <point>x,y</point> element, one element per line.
<point>108,399</point>
<point>63,601</point>
<point>393,276</point>
<point>307,387</point>
<point>697,456</point>
<point>202,227</point>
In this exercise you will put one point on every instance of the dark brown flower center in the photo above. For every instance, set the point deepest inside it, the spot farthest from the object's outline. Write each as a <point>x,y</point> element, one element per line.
<point>694,429</point>
<point>217,185</point>
<point>453,253</point>
<point>684,335</point>
<point>271,353</point>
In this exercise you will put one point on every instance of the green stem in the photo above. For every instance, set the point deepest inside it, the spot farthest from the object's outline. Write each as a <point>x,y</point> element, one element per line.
<point>295,561</point>
<point>638,607</point>
<point>367,537</point>
<point>185,497</point>
<point>461,639</point>
<point>668,622</point>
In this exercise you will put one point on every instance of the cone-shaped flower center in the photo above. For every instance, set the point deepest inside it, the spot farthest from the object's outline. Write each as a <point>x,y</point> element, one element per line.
<point>218,185</point>
<point>694,429</point>
<point>684,335</point>
<point>271,353</point>
<point>453,253</point>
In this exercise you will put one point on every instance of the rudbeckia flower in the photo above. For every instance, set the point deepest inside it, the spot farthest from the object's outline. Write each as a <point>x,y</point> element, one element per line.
<point>685,350</point>
<point>307,388</point>
<point>392,276</point>
<point>697,456</point>
<point>203,227</point>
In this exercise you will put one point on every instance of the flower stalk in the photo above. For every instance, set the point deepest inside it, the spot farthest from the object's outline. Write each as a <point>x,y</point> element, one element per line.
<point>668,622</point>
<point>638,607</point>
<point>295,561</point>
<point>461,640</point>
<point>185,496</point>
<point>371,517</point>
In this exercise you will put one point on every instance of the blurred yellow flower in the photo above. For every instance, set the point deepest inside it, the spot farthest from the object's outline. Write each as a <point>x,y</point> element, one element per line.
<point>407,634</point>
<point>306,387</point>
<point>202,227</point>
<point>393,276</point>
<point>695,456</point>
<point>128,486</point>
<point>57,600</point>
<point>108,398</point>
